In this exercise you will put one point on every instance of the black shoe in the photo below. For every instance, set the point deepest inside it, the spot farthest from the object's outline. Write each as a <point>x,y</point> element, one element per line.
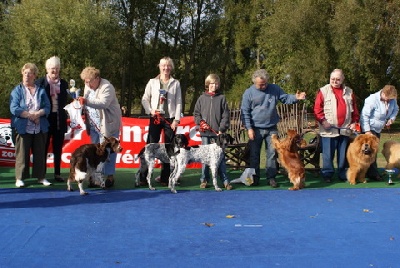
<point>109,181</point>
<point>143,183</point>
<point>273,183</point>
<point>377,178</point>
<point>59,179</point>
<point>256,180</point>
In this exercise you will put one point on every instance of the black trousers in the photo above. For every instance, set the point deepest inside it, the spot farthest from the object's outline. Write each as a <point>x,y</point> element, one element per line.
<point>57,141</point>
<point>154,134</point>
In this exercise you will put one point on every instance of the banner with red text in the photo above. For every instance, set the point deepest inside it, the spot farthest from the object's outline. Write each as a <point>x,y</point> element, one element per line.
<point>133,137</point>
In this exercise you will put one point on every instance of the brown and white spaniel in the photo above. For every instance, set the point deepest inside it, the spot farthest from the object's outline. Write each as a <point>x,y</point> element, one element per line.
<point>88,161</point>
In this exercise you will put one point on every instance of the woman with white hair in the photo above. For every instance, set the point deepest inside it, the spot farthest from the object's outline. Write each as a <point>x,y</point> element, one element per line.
<point>56,90</point>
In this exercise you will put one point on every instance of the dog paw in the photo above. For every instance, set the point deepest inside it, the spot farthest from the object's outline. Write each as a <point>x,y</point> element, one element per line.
<point>84,193</point>
<point>218,189</point>
<point>173,191</point>
<point>152,188</point>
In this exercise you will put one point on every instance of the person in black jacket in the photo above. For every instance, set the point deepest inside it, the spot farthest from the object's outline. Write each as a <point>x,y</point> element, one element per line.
<point>56,89</point>
<point>211,113</point>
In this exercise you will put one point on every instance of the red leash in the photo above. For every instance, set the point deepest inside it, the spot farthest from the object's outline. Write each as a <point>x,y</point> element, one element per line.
<point>158,118</point>
<point>204,127</point>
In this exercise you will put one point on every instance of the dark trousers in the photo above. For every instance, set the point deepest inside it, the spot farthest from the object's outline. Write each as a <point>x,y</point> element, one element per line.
<point>24,145</point>
<point>154,134</point>
<point>57,142</point>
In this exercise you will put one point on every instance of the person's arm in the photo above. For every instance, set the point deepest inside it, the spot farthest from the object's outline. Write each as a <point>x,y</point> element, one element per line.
<point>366,113</point>
<point>197,112</point>
<point>226,117</point>
<point>146,99</point>
<point>319,111</point>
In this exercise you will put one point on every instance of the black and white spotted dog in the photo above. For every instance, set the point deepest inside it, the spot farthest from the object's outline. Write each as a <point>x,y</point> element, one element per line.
<point>161,151</point>
<point>210,154</point>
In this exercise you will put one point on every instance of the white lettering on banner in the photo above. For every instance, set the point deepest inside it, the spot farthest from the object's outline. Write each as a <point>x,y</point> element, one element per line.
<point>128,131</point>
<point>5,154</point>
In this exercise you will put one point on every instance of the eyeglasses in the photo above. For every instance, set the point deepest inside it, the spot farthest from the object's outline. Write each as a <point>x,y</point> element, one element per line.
<point>335,79</point>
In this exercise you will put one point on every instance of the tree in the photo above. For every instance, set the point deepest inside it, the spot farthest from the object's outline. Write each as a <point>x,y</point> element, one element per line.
<point>73,30</point>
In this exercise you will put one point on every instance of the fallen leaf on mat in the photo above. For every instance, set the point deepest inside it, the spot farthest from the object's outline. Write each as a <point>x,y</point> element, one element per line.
<point>208,224</point>
<point>230,216</point>
<point>330,200</point>
<point>365,210</point>
<point>392,238</point>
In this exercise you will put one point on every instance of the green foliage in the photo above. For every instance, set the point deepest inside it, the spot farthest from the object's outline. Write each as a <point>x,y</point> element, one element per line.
<point>73,30</point>
<point>299,42</point>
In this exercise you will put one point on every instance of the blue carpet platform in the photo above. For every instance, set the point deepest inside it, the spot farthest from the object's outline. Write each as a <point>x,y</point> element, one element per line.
<point>142,228</point>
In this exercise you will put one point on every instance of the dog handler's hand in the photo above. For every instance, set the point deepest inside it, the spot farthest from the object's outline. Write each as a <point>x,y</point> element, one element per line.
<point>174,124</point>
<point>326,125</point>
<point>251,134</point>
<point>82,100</point>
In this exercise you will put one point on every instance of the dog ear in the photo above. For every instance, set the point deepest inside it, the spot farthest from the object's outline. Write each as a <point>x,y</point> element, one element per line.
<point>100,148</point>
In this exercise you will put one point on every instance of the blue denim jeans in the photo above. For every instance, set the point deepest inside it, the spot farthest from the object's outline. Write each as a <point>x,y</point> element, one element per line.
<point>205,169</point>
<point>109,166</point>
<point>329,147</point>
<point>255,150</point>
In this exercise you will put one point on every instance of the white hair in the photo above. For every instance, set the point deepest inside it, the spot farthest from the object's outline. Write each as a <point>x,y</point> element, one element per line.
<point>53,62</point>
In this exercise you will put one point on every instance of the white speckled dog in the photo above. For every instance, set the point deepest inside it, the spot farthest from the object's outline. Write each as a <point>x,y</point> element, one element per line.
<point>210,154</point>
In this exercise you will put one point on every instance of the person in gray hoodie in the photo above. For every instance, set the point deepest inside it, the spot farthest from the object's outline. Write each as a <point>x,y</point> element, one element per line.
<point>211,113</point>
<point>260,117</point>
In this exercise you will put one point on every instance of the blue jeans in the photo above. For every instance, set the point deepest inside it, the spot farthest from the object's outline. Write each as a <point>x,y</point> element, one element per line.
<point>109,166</point>
<point>205,169</point>
<point>255,150</point>
<point>329,147</point>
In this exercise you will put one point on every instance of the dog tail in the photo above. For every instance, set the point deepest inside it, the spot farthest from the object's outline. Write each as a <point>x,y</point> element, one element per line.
<point>140,154</point>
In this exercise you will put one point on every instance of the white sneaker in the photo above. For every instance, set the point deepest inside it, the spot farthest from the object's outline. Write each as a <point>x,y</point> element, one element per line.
<point>19,183</point>
<point>44,182</point>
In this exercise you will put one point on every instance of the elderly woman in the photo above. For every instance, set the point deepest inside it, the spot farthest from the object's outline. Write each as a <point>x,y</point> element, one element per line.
<point>162,98</point>
<point>29,107</point>
<point>380,110</point>
<point>56,90</point>
<point>103,114</point>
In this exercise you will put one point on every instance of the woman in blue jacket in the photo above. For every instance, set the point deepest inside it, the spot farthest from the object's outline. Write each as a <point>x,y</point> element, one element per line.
<point>380,110</point>
<point>29,107</point>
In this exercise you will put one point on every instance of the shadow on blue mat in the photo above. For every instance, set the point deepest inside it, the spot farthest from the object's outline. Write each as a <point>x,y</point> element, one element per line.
<point>142,228</point>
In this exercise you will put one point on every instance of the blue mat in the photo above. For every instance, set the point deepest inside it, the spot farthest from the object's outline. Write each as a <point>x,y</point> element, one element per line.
<point>143,228</point>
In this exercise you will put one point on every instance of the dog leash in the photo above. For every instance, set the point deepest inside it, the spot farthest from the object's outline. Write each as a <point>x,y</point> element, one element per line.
<point>357,131</point>
<point>204,127</point>
<point>158,118</point>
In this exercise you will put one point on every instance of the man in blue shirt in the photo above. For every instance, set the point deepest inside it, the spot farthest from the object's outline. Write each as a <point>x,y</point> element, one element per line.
<point>260,118</point>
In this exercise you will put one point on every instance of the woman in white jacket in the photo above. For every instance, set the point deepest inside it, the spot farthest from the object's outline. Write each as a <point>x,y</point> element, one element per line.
<point>380,110</point>
<point>162,100</point>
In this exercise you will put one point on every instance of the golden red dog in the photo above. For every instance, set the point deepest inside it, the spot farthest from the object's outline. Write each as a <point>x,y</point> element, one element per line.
<point>360,155</point>
<point>391,152</point>
<point>289,158</point>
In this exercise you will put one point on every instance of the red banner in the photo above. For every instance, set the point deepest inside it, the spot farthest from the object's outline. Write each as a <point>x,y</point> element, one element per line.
<point>133,137</point>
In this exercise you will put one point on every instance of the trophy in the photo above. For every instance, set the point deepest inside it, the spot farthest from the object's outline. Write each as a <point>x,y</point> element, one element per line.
<point>163,97</point>
<point>73,90</point>
<point>390,172</point>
